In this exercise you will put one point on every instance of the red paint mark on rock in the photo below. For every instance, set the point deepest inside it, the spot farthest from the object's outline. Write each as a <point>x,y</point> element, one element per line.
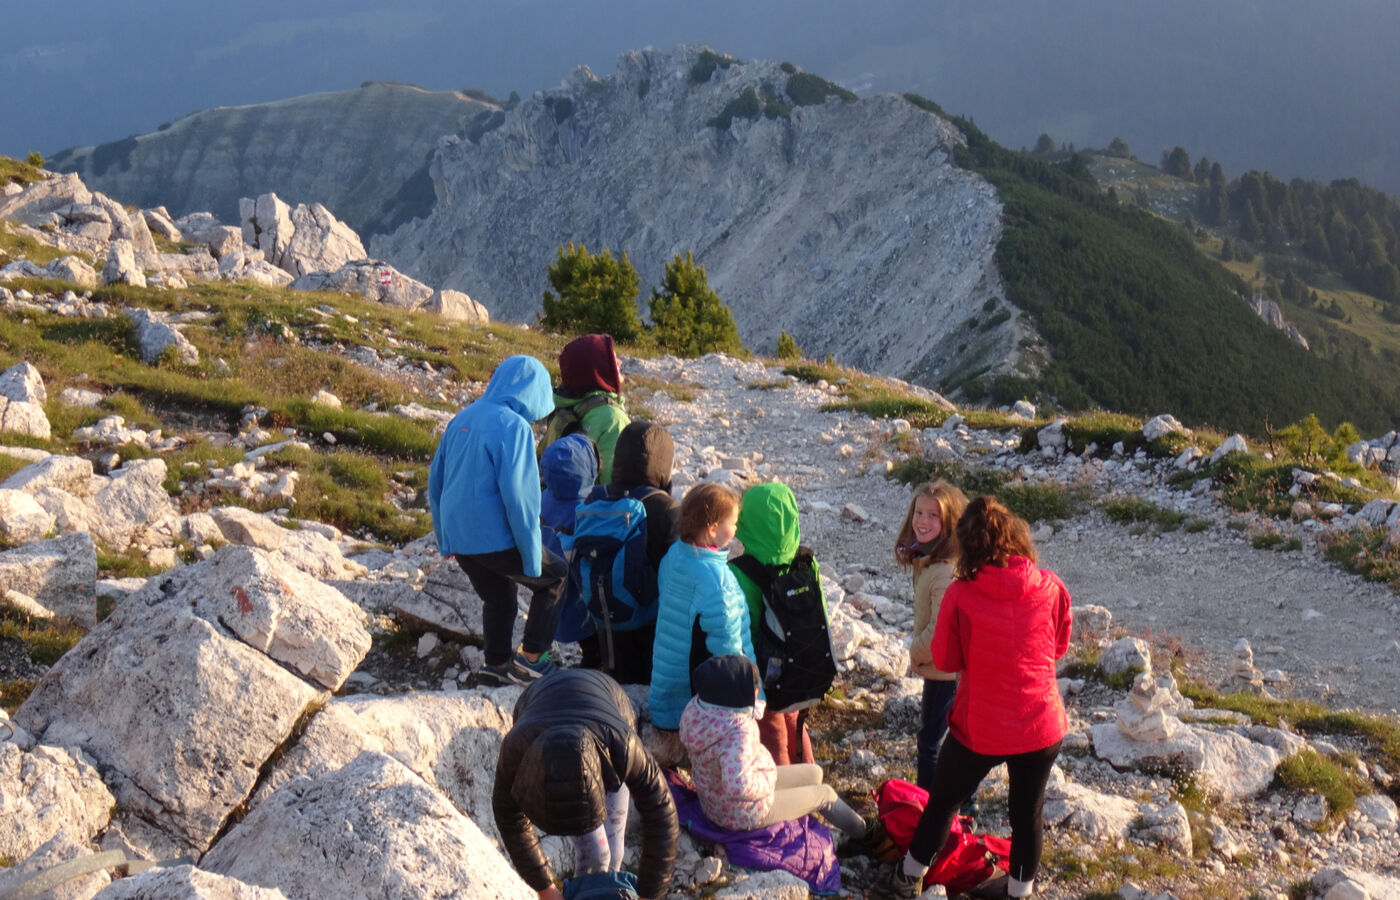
<point>245,605</point>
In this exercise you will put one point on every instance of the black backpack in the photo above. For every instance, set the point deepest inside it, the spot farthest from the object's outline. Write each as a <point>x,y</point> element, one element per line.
<point>794,649</point>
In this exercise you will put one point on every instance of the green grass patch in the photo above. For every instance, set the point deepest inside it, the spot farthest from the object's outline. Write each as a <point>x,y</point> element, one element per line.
<point>876,397</point>
<point>1196,524</point>
<point>47,639</point>
<point>12,694</point>
<point>1128,510</point>
<point>766,385</point>
<point>126,564</point>
<point>1032,502</point>
<point>1273,540</point>
<point>18,171</point>
<point>1366,552</point>
<point>1311,772</point>
<point>1043,502</point>
<point>9,465</point>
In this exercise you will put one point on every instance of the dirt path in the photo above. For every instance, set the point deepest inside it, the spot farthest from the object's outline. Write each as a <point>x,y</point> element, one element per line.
<point>1335,636</point>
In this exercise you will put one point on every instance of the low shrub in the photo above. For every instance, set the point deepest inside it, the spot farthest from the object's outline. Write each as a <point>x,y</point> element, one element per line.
<point>1127,510</point>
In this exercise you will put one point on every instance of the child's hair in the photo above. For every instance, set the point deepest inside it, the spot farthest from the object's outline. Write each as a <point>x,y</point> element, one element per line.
<point>951,503</point>
<point>990,534</point>
<point>703,506</point>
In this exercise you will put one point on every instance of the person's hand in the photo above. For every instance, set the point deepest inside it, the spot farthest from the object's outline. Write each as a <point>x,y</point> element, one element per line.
<point>551,893</point>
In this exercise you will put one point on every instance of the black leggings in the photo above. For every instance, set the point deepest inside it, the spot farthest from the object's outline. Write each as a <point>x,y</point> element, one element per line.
<point>956,776</point>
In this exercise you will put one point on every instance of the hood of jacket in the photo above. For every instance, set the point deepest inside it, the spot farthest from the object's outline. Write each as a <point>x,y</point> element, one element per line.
<point>644,455</point>
<point>560,780</point>
<point>729,680</point>
<point>768,526</point>
<point>1018,577</point>
<point>569,467</point>
<point>589,363</point>
<point>521,383</point>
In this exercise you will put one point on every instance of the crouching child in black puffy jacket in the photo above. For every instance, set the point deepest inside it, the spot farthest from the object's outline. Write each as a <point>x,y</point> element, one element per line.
<point>568,766</point>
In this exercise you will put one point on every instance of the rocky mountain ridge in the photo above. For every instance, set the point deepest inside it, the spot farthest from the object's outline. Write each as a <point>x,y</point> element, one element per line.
<point>296,148</point>
<point>843,222</point>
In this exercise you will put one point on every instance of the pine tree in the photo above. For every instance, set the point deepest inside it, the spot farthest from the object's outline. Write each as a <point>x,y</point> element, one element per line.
<point>787,347</point>
<point>596,294</point>
<point>688,318</point>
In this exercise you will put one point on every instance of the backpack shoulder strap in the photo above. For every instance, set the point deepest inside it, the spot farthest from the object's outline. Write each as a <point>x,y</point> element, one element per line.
<point>756,571</point>
<point>590,403</point>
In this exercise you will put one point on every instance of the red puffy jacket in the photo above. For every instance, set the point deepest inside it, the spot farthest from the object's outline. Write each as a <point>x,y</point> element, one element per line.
<point>1003,630</point>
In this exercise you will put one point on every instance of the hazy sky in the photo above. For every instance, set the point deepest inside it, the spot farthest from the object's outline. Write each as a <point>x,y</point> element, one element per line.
<point>1298,88</point>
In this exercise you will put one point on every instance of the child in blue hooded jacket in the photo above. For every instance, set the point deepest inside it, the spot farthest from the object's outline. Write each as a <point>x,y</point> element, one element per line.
<point>569,467</point>
<point>484,493</point>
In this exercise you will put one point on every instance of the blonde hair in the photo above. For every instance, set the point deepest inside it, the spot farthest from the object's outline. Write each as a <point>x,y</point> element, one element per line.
<point>990,534</point>
<point>951,503</point>
<point>704,505</point>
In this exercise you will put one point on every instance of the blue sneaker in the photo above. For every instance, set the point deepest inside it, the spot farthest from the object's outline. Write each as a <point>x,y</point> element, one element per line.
<point>542,666</point>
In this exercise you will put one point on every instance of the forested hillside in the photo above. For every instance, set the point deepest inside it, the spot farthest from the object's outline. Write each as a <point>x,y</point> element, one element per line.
<point>1137,320</point>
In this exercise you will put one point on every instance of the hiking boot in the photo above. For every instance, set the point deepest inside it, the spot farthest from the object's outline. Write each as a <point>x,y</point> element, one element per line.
<point>505,676</point>
<point>893,884</point>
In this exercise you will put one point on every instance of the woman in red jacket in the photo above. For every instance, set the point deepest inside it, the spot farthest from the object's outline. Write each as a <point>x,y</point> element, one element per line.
<point>1002,625</point>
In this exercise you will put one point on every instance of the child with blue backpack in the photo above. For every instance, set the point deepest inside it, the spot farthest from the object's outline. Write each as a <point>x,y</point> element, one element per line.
<point>569,467</point>
<point>621,643</point>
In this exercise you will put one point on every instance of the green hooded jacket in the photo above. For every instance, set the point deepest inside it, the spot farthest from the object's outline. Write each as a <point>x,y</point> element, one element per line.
<point>769,531</point>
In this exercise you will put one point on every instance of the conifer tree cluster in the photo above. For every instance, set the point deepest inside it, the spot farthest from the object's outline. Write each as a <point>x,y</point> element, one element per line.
<point>597,293</point>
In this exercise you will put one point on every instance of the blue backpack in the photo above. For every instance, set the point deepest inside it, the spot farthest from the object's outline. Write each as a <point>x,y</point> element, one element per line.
<point>608,560</point>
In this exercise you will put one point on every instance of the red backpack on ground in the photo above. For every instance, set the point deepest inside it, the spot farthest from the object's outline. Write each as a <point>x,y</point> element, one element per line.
<point>965,861</point>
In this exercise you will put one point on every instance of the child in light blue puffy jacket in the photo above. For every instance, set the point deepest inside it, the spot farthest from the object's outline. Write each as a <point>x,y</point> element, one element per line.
<point>700,611</point>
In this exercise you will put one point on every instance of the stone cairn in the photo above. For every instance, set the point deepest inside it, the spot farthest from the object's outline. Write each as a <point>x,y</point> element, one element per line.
<point>1242,669</point>
<point>1149,712</point>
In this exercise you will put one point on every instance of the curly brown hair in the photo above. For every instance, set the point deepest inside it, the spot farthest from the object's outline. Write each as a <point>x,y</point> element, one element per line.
<point>704,505</point>
<point>990,534</point>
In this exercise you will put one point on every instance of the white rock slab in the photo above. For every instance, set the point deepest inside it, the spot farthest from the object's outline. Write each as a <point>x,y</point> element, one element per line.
<point>388,833</point>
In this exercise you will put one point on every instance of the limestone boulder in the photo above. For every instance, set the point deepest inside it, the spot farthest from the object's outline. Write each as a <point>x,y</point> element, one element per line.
<point>260,271</point>
<point>185,691</point>
<point>1235,443</point>
<point>447,604</point>
<point>131,501</point>
<point>22,519</point>
<point>62,848</point>
<point>316,555</point>
<point>225,240</point>
<point>1102,818</point>
<point>72,474</point>
<point>121,266</point>
<point>389,833</point>
<point>58,574</point>
<point>371,279</point>
<point>243,526</point>
<point>457,306</point>
<point>1225,763</point>
<point>45,792</point>
<point>1354,884</point>
<point>22,383</point>
<point>451,740</point>
<point>186,883</point>
<point>1166,825</point>
<point>772,885</point>
<point>73,270</point>
<point>36,203</point>
<point>155,335</point>
<point>160,224</point>
<point>320,242</point>
<point>1125,655</point>
<point>1159,426</point>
